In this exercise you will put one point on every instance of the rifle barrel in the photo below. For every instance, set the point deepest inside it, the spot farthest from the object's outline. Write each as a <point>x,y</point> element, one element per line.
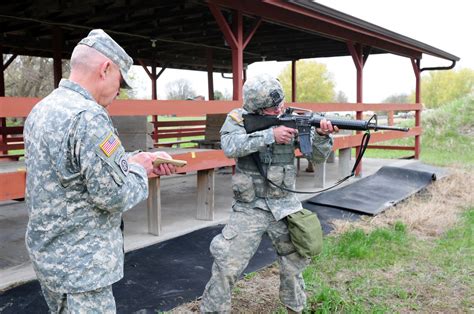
<point>357,125</point>
<point>387,127</point>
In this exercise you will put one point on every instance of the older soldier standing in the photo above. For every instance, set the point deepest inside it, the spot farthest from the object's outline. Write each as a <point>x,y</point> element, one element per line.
<point>259,207</point>
<point>80,181</point>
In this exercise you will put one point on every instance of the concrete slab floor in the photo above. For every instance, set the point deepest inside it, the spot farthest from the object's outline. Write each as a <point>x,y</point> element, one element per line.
<point>178,198</point>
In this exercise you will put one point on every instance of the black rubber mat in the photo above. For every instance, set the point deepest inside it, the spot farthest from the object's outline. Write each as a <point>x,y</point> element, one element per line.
<point>375,193</point>
<point>165,275</point>
<point>158,277</point>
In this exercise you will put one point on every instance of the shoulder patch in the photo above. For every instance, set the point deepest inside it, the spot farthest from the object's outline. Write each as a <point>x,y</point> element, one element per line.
<point>236,116</point>
<point>123,163</point>
<point>110,144</point>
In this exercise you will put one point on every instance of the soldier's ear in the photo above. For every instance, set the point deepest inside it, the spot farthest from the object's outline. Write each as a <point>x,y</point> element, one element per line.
<point>104,68</point>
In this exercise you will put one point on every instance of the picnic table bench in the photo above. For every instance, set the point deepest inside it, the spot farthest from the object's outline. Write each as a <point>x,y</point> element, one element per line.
<point>11,138</point>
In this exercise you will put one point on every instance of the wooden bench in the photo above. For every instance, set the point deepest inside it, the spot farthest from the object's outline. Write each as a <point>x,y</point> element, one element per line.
<point>212,136</point>
<point>177,130</point>
<point>11,138</point>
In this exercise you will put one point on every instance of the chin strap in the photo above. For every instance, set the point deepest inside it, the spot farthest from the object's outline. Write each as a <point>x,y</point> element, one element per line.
<point>363,145</point>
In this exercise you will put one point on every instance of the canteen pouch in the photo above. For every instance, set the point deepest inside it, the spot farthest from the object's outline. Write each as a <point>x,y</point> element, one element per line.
<point>305,232</point>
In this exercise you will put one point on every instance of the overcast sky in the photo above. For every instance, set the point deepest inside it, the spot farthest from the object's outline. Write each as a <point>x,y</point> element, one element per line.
<point>447,25</point>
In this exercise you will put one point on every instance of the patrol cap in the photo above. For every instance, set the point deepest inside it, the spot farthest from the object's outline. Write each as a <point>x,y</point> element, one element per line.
<point>262,91</point>
<point>103,43</point>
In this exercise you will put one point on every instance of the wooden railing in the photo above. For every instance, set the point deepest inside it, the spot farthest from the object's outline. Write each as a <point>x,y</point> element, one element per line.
<point>20,107</point>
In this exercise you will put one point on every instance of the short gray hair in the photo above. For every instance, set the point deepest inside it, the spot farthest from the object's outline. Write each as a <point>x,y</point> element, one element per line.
<point>85,57</point>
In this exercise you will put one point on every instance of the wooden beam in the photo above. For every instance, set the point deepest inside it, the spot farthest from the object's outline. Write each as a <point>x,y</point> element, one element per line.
<point>210,71</point>
<point>57,50</point>
<point>21,107</point>
<point>293,80</point>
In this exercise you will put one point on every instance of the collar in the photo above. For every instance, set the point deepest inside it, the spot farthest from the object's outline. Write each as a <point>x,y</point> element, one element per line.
<point>65,83</point>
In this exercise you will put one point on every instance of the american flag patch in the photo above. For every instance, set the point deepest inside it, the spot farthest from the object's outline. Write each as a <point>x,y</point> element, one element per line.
<point>110,144</point>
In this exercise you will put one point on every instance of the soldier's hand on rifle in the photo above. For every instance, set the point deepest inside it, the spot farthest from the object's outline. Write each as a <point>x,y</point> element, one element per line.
<point>326,127</point>
<point>283,134</point>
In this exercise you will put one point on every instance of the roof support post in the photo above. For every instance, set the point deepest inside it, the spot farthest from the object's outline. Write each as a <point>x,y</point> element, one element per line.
<point>57,49</point>
<point>416,69</point>
<point>3,67</point>
<point>210,79</point>
<point>2,74</point>
<point>293,80</point>
<point>154,95</point>
<point>358,58</point>
<point>3,121</point>
<point>235,39</point>
<point>237,55</point>
<point>153,76</point>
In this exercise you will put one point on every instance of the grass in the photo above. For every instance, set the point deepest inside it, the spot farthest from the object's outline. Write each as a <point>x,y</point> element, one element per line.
<point>447,131</point>
<point>390,270</point>
<point>418,256</point>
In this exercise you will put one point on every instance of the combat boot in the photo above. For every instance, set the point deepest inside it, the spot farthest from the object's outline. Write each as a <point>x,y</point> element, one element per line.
<point>290,311</point>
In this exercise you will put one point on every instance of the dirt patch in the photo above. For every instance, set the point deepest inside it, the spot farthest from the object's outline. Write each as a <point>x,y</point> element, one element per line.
<point>256,293</point>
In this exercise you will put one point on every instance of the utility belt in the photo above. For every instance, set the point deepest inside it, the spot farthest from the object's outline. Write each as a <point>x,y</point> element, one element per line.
<point>246,164</point>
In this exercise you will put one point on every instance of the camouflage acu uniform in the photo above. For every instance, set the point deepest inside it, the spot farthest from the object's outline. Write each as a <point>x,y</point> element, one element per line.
<point>258,208</point>
<point>78,184</point>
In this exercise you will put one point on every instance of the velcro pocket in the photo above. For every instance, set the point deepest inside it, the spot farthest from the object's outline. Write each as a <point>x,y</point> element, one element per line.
<point>276,174</point>
<point>229,233</point>
<point>290,176</point>
<point>221,243</point>
<point>243,188</point>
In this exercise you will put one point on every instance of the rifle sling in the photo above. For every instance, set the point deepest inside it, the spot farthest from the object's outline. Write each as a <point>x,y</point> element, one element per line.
<point>365,141</point>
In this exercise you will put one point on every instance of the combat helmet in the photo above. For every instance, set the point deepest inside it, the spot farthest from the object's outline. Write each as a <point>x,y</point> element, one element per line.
<point>262,91</point>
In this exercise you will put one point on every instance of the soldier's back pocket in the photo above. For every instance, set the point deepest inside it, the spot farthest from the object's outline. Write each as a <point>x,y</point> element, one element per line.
<point>243,187</point>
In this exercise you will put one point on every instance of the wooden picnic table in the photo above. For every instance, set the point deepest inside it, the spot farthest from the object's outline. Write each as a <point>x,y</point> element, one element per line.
<point>202,161</point>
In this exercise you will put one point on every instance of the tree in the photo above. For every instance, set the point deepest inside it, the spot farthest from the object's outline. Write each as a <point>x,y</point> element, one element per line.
<point>397,99</point>
<point>441,87</point>
<point>218,95</point>
<point>314,82</point>
<point>179,89</point>
<point>31,76</point>
<point>341,97</point>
